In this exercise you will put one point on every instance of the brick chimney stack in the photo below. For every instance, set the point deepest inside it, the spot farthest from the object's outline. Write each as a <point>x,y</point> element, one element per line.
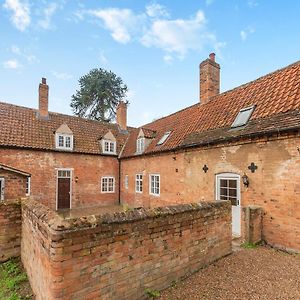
<point>209,79</point>
<point>43,99</point>
<point>122,115</point>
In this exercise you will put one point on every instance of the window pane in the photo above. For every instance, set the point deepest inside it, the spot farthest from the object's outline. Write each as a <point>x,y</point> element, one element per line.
<point>232,192</point>
<point>223,191</point>
<point>68,142</point>
<point>60,141</point>
<point>223,182</point>
<point>232,183</point>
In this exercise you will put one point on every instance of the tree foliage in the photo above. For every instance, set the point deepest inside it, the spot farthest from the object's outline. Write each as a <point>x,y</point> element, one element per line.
<point>99,95</point>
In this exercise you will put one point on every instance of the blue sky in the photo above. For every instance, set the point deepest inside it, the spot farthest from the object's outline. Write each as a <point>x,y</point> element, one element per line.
<point>155,46</point>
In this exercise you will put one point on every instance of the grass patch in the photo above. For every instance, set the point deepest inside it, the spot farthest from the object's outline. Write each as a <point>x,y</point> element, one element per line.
<point>14,284</point>
<point>249,246</point>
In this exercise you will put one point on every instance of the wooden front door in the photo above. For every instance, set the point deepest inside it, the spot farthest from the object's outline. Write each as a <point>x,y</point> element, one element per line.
<point>63,189</point>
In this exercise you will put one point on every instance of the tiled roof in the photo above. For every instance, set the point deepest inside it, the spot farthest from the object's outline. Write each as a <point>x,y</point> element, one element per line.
<point>273,94</point>
<point>148,133</point>
<point>20,127</point>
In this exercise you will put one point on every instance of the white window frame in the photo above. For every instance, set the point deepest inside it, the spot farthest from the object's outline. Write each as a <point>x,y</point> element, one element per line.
<point>109,143</point>
<point>140,145</point>
<point>28,185</point>
<point>235,124</point>
<point>126,182</point>
<point>102,184</point>
<point>64,136</point>
<point>150,184</point>
<point>71,184</point>
<point>164,138</point>
<point>139,183</point>
<point>228,176</point>
<point>2,189</point>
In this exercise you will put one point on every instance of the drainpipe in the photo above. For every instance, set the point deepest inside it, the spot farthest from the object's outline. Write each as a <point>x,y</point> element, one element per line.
<point>119,181</point>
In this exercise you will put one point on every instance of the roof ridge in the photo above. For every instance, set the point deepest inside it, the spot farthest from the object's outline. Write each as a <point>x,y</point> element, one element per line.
<point>64,115</point>
<point>227,91</point>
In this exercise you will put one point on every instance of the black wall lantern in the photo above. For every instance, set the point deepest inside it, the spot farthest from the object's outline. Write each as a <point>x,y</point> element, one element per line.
<point>245,179</point>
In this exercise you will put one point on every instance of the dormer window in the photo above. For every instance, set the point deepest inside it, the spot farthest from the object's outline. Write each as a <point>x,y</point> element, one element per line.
<point>164,138</point>
<point>140,145</point>
<point>243,116</point>
<point>64,138</point>
<point>109,147</point>
<point>64,141</point>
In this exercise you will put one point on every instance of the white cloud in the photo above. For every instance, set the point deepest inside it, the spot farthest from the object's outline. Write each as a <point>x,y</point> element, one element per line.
<point>62,76</point>
<point>245,33</point>
<point>24,54</point>
<point>179,36</point>
<point>155,10</point>
<point>252,3</point>
<point>20,13</point>
<point>48,12</point>
<point>12,64</point>
<point>103,59</point>
<point>209,2</point>
<point>168,58</point>
<point>121,22</point>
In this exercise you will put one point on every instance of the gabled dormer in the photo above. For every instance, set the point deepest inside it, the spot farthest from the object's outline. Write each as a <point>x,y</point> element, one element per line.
<point>64,138</point>
<point>144,139</point>
<point>109,143</point>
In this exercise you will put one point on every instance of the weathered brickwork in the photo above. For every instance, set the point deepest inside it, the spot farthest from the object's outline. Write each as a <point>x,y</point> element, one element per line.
<point>86,175</point>
<point>252,217</point>
<point>15,185</point>
<point>10,229</point>
<point>117,256</point>
<point>274,186</point>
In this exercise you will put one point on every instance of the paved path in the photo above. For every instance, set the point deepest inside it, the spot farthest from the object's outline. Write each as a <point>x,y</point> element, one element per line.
<point>261,273</point>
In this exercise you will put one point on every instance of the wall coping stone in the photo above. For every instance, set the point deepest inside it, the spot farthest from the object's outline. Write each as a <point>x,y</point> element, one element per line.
<point>56,223</point>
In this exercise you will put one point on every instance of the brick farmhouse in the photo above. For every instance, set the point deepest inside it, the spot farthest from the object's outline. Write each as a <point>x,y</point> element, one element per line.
<point>242,145</point>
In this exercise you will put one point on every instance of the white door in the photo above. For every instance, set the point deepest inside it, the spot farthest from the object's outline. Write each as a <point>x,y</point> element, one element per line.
<point>228,188</point>
<point>1,188</point>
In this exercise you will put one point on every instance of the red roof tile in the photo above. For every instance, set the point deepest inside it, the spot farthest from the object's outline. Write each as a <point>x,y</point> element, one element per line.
<point>20,127</point>
<point>275,93</point>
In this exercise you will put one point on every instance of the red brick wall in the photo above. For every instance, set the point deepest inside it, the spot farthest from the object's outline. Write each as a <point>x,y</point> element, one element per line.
<point>118,256</point>
<point>10,229</point>
<point>43,167</point>
<point>15,185</point>
<point>275,185</point>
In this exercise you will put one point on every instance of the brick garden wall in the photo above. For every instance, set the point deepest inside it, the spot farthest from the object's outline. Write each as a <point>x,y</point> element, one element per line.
<point>10,229</point>
<point>274,186</point>
<point>118,256</point>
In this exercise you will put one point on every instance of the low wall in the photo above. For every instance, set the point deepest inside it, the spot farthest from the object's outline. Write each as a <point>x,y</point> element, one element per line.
<point>252,224</point>
<point>10,229</point>
<point>118,256</point>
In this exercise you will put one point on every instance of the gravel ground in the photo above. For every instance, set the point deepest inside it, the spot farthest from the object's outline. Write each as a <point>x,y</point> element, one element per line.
<point>260,273</point>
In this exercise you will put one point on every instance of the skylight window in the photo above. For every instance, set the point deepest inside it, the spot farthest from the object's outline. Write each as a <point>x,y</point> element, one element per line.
<point>164,138</point>
<point>243,116</point>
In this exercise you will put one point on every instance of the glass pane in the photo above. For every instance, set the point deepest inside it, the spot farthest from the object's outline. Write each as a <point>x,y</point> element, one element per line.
<point>223,192</point>
<point>223,182</point>
<point>232,192</point>
<point>223,197</point>
<point>232,183</point>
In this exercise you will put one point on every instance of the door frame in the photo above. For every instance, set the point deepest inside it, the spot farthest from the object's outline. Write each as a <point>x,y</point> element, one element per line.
<point>71,184</point>
<point>238,178</point>
<point>3,186</point>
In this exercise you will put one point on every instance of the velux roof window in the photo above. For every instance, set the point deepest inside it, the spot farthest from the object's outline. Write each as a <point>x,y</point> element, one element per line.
<point>243,116</point>
<point>164,138</point>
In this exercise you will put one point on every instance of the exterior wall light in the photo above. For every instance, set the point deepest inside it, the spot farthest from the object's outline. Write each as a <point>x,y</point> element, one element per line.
<point>76,179</point>
<point>245,179</point>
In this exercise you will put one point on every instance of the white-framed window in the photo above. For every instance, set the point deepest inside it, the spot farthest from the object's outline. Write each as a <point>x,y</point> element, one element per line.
<point>109,147</point>
<point>64,141</point>
<point>140,145</point>
<point>164,138</point>
<point>154,185</point>
<point>139,183</point>
<point>243,116</point>
<point>28,186</point>
<point>126,182</point>
<point>107,184</point>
